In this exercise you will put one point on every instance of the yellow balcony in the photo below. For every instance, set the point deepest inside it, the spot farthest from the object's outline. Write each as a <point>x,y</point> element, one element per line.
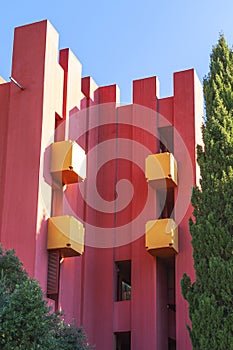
<point>162,237</point>
<point>65,233</point>
<point>68,162</point>
<point>161,170</point>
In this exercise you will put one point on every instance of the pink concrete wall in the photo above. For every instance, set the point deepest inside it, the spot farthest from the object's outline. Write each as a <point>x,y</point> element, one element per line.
<point>19,219</point>
<point>55,90</point>
<point>4,110</point>
<point>185,122</point>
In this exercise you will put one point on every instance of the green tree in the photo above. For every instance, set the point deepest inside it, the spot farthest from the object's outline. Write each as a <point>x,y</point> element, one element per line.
<point>69,337</point>
<point>26,322</point>
<point>24,319</point>
<point>210,297</point>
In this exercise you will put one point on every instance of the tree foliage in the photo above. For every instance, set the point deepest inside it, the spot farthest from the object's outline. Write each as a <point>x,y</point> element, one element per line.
<point>26,322</point>
<point>210,297</point>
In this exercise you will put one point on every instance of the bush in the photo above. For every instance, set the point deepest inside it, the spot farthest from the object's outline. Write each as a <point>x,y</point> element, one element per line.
<point>26,322</point>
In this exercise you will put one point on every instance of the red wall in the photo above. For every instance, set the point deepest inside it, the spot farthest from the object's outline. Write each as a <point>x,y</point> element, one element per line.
<point>4,110</point>
<point>27,122</point>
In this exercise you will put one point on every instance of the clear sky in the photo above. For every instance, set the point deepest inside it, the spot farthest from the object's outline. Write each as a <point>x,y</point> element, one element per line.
<point>121,40</point>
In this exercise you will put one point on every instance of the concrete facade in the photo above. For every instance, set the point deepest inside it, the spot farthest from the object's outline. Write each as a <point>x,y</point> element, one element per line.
<point>56,104</point>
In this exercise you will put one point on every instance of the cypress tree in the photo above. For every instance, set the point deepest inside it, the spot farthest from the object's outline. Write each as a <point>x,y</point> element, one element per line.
<point>210,296</point>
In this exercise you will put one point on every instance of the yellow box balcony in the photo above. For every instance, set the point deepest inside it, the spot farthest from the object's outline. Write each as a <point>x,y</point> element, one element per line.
<point>162,237</point>
<point>68,162</point>
<point>65,233</point>
<point>161,170</point>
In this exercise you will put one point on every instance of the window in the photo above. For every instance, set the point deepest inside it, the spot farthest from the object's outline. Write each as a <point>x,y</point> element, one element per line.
<point>123,341</point>
<point>123,280</point>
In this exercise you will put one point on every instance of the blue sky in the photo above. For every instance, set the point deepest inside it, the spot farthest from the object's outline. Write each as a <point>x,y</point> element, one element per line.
<point>118,41</point>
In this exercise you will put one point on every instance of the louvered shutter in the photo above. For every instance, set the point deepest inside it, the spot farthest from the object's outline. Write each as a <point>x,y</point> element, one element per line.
<point>53,272</point>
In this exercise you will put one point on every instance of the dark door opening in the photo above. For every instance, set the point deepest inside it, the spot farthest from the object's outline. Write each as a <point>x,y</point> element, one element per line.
<point>123,340</point>
<point>171,344</point>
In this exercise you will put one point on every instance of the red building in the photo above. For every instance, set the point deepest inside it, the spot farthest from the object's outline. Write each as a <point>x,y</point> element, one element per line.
<point>95,197</point>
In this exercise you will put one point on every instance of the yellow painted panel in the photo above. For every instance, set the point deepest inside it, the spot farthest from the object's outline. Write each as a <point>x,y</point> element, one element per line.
<point>66,234</point>
<point>162,236</point>
<point>161,170</point>
<point>68,162</point>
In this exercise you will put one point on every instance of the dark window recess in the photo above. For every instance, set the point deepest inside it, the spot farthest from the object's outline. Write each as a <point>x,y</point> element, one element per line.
<point>171,305</point>
<point>163,148</point>
<point>166,203</point>
<point>171,287</point>
<point>53,275</point>
<point>123,280</point>
<point>171,344</point>
<point>166,139</point>
<point>123,341</point>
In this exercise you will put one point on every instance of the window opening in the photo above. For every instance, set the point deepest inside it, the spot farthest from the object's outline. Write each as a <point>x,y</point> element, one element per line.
<point>123,341</point>
<point>123,283</point>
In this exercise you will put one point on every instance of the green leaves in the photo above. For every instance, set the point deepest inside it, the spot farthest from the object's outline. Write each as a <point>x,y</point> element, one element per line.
<point>11,269</point>
<point>210,297</point>
<point>26,322</point>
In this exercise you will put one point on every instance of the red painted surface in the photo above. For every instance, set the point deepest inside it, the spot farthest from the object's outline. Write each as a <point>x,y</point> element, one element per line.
<point>19,218</point>
<point>122,316</point>
<point>166,109</point>
<point>4,110</point>
<point>56,90</point>
<point>184,121</point>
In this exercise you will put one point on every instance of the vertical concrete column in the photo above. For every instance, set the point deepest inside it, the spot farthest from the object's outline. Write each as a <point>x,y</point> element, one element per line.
<point>98,262</point>
<point>187,122</point>
<point>70,270</point>
<point>30,130</point>
<point>72,84</point>
<point>4,110</point>
<point>144,283</point>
